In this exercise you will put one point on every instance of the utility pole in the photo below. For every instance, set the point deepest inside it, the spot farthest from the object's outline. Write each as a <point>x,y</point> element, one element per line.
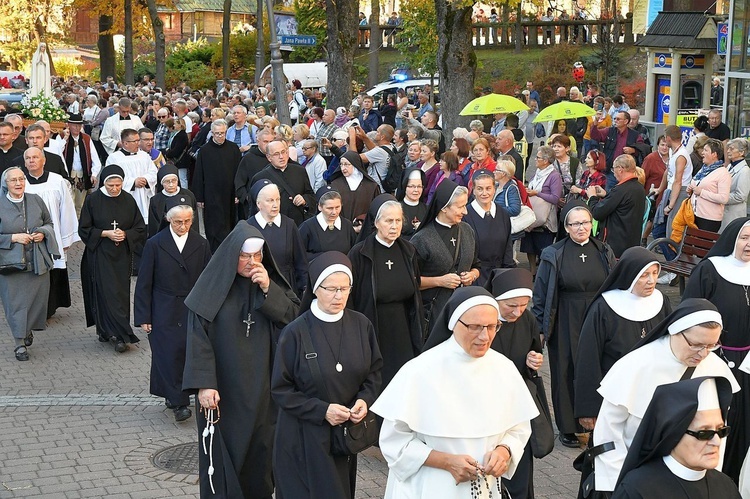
<point>277,69</point>
<point>259,50</point>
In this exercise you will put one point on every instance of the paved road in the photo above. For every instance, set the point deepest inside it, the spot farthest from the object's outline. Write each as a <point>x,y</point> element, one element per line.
<point>77,421</point>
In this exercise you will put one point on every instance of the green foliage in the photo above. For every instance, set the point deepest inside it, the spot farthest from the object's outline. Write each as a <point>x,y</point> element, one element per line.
<point>418,43</point>
<point>311,20</point>
<point>554,69</point>
<point>199,50</point>
<point>194,73</point>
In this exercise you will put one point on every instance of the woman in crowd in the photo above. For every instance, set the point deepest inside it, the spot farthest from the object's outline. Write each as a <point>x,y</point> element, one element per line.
<point>285,133</point>
<point>654,166</point>
<point>736,207</point>
<point>204,127</point>
<point>596,164</point>
<point>410,194</point>
<point>448,170</point>
<point>566,165</point>
<point>546,187</point>
<point>696,154</point>
<point>481,152</point>
<point>430,165</point>
<point>316,121</point>
<point>24,221</point>
<point>563,127</point>
<point>327,231</point>
<point>460,147</point>
<point>386,288</point>
<point>723,278</point>
<point>491,227</point>
<point>348,365</point>
<point>177,149</point>
<point>167,177</point>
<point>413,153</point>
<point>356,187</point>
<point>700,127</point>
<point>709,189</point>
<point>300,133</point>
<point>570,274</point>
<point>112,228</point>
<point>446,248</point>
<point>508,195</point>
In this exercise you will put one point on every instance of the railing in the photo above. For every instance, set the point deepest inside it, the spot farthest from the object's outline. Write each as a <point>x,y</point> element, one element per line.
<point>535,33</point>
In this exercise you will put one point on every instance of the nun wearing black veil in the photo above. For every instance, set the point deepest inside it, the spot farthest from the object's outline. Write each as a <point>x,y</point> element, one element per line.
<point>413,184</point>
<point>343,346</point>
<point>723,278</point>
<point>680,347</point>
<point>235,312</point>
<point>677,447</point>
<point>625,308</point>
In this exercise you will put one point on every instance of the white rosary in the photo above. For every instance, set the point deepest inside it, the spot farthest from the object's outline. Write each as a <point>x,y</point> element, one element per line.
<point>208,432</point>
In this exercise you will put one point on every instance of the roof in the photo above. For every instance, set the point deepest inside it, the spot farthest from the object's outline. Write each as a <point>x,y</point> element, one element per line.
<point>238,6</point>
<point>681,30</point>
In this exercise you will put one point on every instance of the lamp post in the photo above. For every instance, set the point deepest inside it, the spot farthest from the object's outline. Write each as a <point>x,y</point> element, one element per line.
<point>277,69</point>
<point>259,63</point>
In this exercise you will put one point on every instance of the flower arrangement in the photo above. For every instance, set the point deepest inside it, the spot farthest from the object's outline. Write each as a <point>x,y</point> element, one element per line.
<point>44,108</point>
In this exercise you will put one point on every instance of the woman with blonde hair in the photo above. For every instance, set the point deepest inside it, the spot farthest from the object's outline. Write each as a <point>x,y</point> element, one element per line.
<point>285,133</point>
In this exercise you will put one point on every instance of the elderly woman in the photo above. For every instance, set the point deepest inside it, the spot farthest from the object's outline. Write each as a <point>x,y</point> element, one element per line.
<point>26,237</point>
<point>326,374</point>
<point>482,154</point>
<point>723,278</point>
<point>172,262</point>
<point>435,399</point>
<point>410,194</point>
<point>112,228</point>
<point>508,194</point>
<point>566,165</point>
<point>571,272</point>
<point>736,207</point>
<point>710,187</point>
<point>177,149</point>
<point>626,306</point>
<point>448,171</point>
<point>315,165</point>
<point>300,133</point>
<point>446,248</point>
<point>491,227</point>
<point>413,153</point>
<point>356,187</point>
<point>168,179</point>
<point>386,288</point>
<point>545,190</point>
<point>327,231</point>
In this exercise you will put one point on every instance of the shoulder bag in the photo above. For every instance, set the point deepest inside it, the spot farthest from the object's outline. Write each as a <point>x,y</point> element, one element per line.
<point>523,220</point>
<point>13,259</point>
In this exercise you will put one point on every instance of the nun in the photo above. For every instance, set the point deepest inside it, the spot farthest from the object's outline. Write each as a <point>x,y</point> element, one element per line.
<point>446,248</point>
<point>680,347</point>
<point>519,341</point>
<point>723,278</point>
<point>412,186</point>
<point>625,308</point>
<point>172,262</point>
<point>328,230</point>
<point>169,181</point>
<point>676,450</point>
<point>444,434</point>
<point>280,233</point>
<point>340,346</point>
<point>356,187</point>
<point>236,309</point>
<point>386,286</point>
<point>113,230</point>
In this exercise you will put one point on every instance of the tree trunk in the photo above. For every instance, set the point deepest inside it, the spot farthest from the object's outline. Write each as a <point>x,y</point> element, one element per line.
<point>106,46</point>
<point>456,61</point>
<point>519,31</point>
<point>376,40</point>
<point>225,29</point>
<point>128,55</point>
<point>158,25</point>
<point>341,32</point>
<point>260,48</point>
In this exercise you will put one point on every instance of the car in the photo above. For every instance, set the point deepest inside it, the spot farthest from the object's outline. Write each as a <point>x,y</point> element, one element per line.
<point>13,86</point>
<point>412,85</point>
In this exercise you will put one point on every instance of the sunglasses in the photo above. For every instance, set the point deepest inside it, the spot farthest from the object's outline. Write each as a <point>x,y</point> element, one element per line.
<point>709,434</point>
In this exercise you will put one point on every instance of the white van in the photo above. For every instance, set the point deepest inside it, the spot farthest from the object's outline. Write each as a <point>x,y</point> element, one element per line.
<point>411,86</point>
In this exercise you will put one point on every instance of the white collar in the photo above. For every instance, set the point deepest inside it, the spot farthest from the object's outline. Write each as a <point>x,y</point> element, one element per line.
<point>324,316</point>
<point>410,202</point>
<point>164,191</point>
<point>682,471</point>
<point>633,307</point>
<point>104,190</point>
<point>731,269</point>
<point>481,211</point>
<point>14,200</point>
<point>387,245</point>
<point>354,179</point>
<point>441,223</point>
<point>263,223</point>
<point>179,240</point>
<point>324,223</point>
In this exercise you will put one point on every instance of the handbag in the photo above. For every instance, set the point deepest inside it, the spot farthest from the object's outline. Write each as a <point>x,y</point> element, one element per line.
<point>542,213</point>
<point>523,220</point>
<point>13,259</point>
<point>542,438</point>
<point>349,438</point>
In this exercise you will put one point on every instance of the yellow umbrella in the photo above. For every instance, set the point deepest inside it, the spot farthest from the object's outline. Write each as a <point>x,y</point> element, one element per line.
<point>493,104</point>
<point>564,110</point>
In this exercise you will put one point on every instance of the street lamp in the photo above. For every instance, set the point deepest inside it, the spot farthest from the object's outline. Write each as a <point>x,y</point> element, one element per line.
<point>277,69</point>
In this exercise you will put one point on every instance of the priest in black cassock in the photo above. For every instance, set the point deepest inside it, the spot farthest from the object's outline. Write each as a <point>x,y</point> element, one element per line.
<point>168,179</point>
<point>235,312</point>
<point>172,262</point>
<point>413,184</point>
<point>328,230</point>
<point>676,449</point>
<point>213,183</point>
<point>349,362</point>
<point>112,228</point>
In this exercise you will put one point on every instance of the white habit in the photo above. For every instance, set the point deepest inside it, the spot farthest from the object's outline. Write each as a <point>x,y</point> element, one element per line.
<point>114,126</point>
<point>137,165</point>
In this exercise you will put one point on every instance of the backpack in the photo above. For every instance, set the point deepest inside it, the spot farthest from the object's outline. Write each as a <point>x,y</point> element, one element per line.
<point>539,131</point>
<point>392,180</point>
<point>298,95</point>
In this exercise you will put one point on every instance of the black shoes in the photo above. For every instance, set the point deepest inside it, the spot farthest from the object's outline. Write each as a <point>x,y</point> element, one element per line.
<point>120,345</point>
<point>569,440</point>
<point>182,413</point>
<point>21,354</point>
<point>29,340</point>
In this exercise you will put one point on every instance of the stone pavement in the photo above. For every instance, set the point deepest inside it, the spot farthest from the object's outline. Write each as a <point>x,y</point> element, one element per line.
<point>77,421</point>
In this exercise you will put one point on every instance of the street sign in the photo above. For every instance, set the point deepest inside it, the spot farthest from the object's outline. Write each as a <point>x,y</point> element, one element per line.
<point>299,40</point>
<point>721,38</point>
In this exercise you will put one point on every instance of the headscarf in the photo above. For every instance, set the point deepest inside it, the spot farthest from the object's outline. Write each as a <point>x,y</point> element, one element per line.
<point>4,184</point>
<point>672,409</point>
<point>724,246</point>
<point>164,171</point>
<point>107,173</point>
<point>722,256</point>
<point>356,161</point>
<point>324,265</point>
<point>505,284</point>
<point>443,194</point>
<point>573,204</point>
<point>323,191</point>
<point>401,193</point>
<point>368,226</point>
<point>689,313</point>
<point>462,300</point>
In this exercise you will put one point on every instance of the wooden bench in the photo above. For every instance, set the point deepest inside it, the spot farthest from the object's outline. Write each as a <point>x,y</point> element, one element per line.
<point>693,248</point>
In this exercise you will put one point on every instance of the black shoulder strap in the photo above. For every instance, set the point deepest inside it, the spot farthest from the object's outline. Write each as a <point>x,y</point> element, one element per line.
<point>688,373</point>
<point>312,357</point>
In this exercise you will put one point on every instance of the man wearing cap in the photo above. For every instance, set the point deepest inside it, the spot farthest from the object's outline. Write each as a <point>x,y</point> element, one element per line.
<point>236,311</point>
<point>81,161</point>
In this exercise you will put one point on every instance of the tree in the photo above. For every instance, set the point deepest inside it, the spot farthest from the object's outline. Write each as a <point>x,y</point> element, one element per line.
<point>418,44</point>
<point>26,23</point>
<point>376,42</point>
<point>342,25</point>
<point>160,55</point>
<point>311,20</point>
<point>225,29</point>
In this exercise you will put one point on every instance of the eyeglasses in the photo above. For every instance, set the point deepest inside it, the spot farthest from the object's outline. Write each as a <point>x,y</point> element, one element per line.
<point>477,328</point>
<point>181,223</point>
<point>18,180</point>
<point>706,435</point>
<point>169,181</point>
<point>578,225</point>
<point>219,134</point>
<point>131,141</point>
<point>279,154</point>
<point>699,348</point>
<point>333,290</point>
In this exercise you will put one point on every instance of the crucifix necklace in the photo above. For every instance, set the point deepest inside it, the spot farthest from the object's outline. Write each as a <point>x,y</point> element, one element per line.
<point>114,227</point>
<point>582,256</point>
<point>390,265</point>
<point>249,321</point>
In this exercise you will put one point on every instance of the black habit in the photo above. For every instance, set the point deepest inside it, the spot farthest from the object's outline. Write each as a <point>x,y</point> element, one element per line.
<point>157,205</point>
<point>413,218</point>
<point>251,164</point>
<point>315,240</point>
<point>654,479</point>
<point>620,215</point>
<point>293,178</point>
<point>494,244</point>
<point>288,252</point>
<point>165,278</point>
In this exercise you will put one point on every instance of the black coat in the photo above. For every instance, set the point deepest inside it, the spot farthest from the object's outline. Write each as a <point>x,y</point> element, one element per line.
<point>620,215</point>
<point>296,178</point>
<point>252,163</point>
<point>177,151</point>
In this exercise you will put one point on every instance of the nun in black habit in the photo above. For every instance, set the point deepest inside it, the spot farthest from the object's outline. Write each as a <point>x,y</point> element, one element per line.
<point>676,449</point>
<point>346,351</point>
<point>625,308</point>
<point>169,187</point>
<point>723,278</point>
<point>413,183</point>
<point>235,312</point>
<point>356,187</point>
<point>113,230</point>
<point>328,230</point>
<point>386,286</point>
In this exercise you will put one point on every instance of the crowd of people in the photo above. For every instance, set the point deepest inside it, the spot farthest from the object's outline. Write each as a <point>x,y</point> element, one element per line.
<point>359,270</point>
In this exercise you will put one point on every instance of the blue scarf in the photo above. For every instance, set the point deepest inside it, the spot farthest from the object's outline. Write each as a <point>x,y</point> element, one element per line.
<point>706,170</point>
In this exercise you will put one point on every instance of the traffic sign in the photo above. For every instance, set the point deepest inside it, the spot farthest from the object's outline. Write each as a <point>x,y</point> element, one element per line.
<point>299,40</point>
